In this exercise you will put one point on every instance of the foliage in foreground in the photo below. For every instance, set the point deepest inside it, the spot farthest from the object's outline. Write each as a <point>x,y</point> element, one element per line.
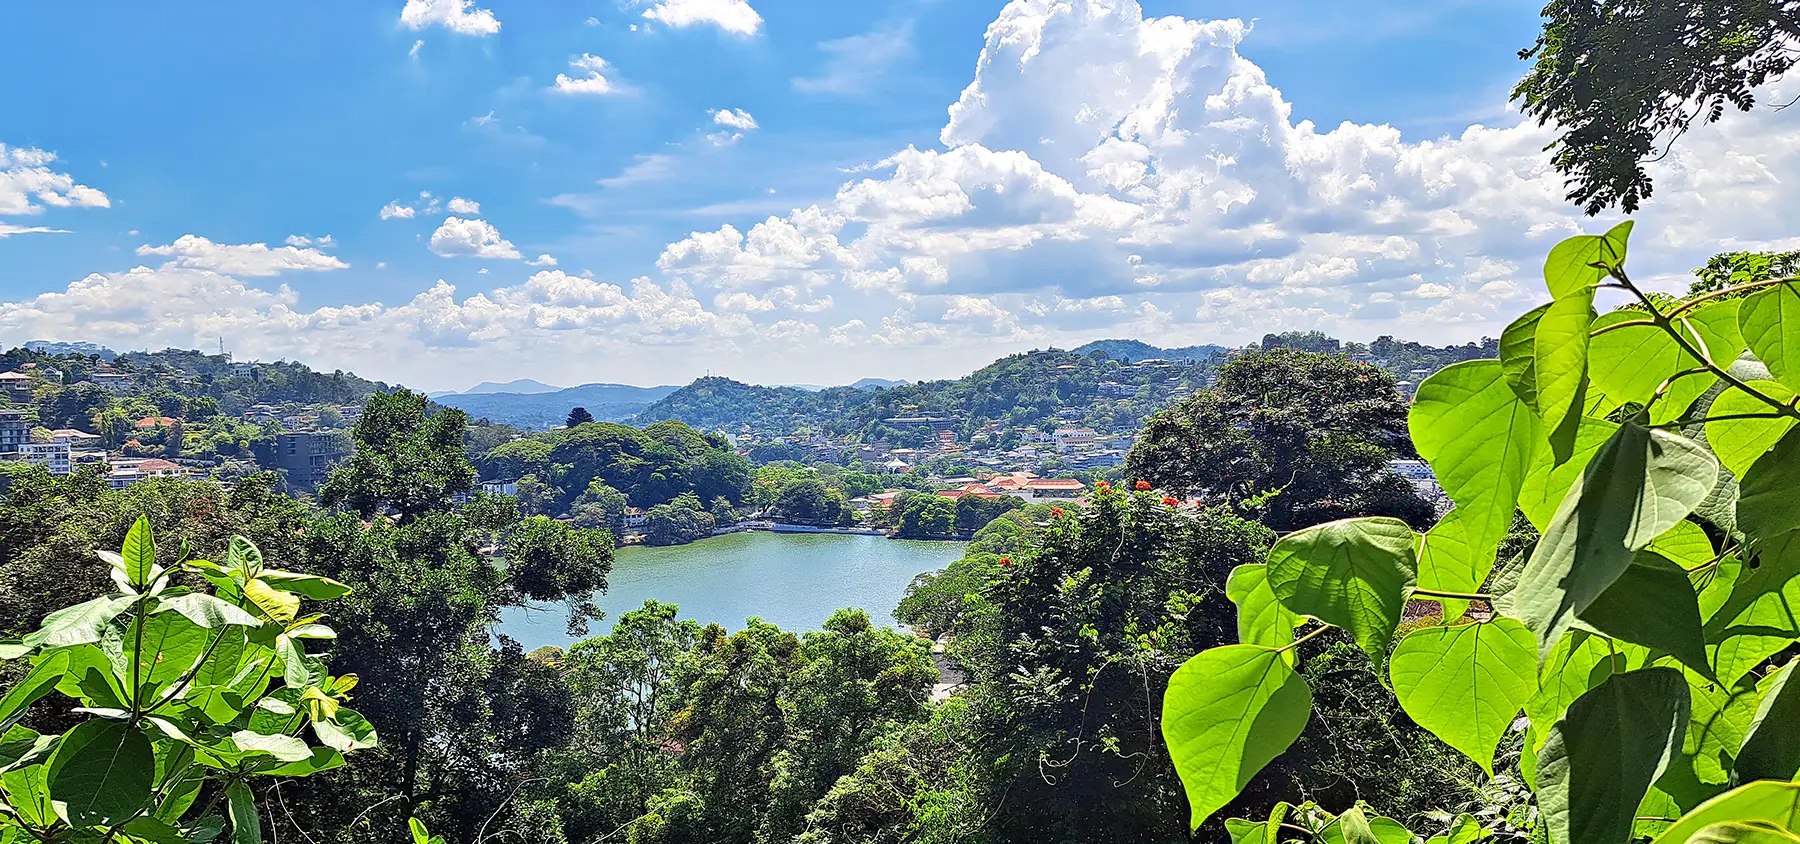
<point>178,710</point>
<point>1647,636</point>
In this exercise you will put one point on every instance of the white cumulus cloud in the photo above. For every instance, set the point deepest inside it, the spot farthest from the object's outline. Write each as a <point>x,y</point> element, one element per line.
<point>28,186</point>
<point>733,16</point>
<point>471,238</point>
<point>592,79</point>
<point>246,259</point>
<point>459,16</point>
<point>396,211</point>
<point>542,261</point>
<point>735,118</point>
<point>458,205</point>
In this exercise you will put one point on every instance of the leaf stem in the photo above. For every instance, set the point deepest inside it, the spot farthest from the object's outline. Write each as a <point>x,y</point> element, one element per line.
<point>1296,643</point>
<point>1455,596</point>
<point>1663,321</point>
<point>1630,323</point>
<point>1729,417</point>
<point>1689,304</point>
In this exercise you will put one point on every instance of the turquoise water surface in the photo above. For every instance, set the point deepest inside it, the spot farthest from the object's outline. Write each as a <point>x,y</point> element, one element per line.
<point>793,580</point>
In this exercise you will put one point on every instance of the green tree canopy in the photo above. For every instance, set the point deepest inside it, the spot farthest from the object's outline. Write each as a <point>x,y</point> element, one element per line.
<point>1622,80</point>
<point>1317,430</point>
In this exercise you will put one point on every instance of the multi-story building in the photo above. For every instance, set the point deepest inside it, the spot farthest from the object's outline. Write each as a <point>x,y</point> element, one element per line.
<point>17,386</point>
<point>15,430</point>
<point>130,471</point>
<point>307,456</point>
<point>57,457</point>
<point>117,382</point>
<point>1068,439</point>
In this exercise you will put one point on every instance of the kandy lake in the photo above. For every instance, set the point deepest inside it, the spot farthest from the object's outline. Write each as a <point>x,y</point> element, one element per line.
<point>792,580</point>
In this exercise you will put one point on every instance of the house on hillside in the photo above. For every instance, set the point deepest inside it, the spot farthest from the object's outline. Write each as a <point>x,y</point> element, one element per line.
<point>1055,488</point>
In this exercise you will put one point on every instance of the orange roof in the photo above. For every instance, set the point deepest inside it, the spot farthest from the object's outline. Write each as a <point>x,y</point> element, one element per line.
<point>157,465</point>
<point>1054,483</point>
<point>157,422</point>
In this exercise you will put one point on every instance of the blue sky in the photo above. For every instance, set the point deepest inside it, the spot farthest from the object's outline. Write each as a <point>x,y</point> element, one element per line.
<point>776,190</point>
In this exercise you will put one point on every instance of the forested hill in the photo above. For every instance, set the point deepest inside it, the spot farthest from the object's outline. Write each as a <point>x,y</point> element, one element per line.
<point>1045,388</point>
<point>1136,350</point>
<point>1104,385</point>
<point>233,386</point>
<point>541,410</point>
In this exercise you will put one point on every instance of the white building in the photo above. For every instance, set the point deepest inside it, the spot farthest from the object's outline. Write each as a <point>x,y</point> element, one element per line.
<point>117,382</point>
<point>1069,438</point>
<point>56,457</point>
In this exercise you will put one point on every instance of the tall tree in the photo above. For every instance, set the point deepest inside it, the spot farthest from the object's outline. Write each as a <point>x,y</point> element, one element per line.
<point>407,458</point>
<point>1623,79</point>
<point>579,416</point>
<point>1292,437</point>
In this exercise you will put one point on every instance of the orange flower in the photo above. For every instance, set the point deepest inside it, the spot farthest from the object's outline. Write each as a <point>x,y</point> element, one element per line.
<point>1143,485</point>
<point>1056,511</point>
<point>1103,486</point>
<point>1006,561</point>
<point>1169,500</point>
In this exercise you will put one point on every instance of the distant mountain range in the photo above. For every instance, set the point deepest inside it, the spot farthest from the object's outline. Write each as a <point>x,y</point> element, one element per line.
<point>521,387</point>
<point>1134,350</point>
<point>539,410</point>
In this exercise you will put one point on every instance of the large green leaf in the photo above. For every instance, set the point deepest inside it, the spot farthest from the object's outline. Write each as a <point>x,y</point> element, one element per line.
<point>1560,349</point>
<point>1771,748</point>
<point>243,558</point>
<point>1356,827</point>
<point>1739,442</point>
<point>1769,493</point>
<point>1601,758</point>
<point>1735,832</point>
<point>284,748</point>
<point>171,646</point>
<point>313,586</point>
<point>1262,620</point>
<point>276,604</point>
<point>1761,616</point>
<point>1774,802</point>
<point>1449,561</point>
<point>1479,439</point>
<point>81,624</point>
<point>28,791</point>
<point>246,824</point>
<point>40,681</point>
<point>348,731</point>
<point>1547,483</point>
<point>321,759</point>
<point>1578,664</point>
<point>1719,718</point>
<point>102,773</point>
<point>1516,361</point>
<point>1717,324</point>
<point>207,611</point>
<point>1228,712</point>
<point>1770,322</point>
<point>1652,604</point>
<point>1466,683</point>
<point>1686,545</point>
<point>1627,364</point>
<point>139,553</point>
<point>1640,484</point>
<point>1578,263</point>
<point>1352,573</point>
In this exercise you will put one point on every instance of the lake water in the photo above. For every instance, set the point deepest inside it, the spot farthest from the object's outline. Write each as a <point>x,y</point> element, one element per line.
<point>792,580</point>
